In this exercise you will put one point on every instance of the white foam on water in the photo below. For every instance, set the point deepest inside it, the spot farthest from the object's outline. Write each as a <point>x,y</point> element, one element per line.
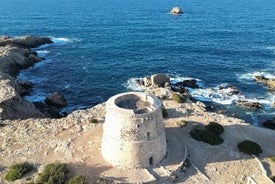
<point>42,53</point>
<point>222,96</point>
<point>35,98</point>
<point>250,76</point>
<point>132,85</point>
<point>63,40</point>
<point>272,48</point>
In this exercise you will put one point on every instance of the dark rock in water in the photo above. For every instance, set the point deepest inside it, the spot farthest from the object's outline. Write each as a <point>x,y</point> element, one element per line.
<point>249,105</point>
<point>48,111</point>
<point>23,87</point>
<point>232,89</point>
<point>178,87</point>
<point>269,82</point>
<point>159,80</point>
<point>24,83</point>
<point>192,83</point>
<point>176,11</point>
<point>269,124</point>
<point>25,41</point>
<point>56,100</point>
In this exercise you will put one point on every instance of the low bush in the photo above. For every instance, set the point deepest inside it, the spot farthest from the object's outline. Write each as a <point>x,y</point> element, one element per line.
<point>79,179</point>
<point>206,136</point>
<point>181,123</point>
<point>272,178</point>
<point>164,112</point>
<point>272,158</point>
<point>178,98</point>
<point>2,124</point>
<point>54,173</point>
<point>250,147</point>
<point>214,127</point>
<point>17,171</point>
<point>93,121</point>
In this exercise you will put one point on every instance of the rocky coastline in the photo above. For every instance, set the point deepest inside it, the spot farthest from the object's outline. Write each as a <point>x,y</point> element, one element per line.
<point>17,54</point>
<point>29,133</point>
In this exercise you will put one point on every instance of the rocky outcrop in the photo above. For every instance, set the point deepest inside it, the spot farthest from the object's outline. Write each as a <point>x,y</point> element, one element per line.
<point>269,124</point>
<point>181,87</point>
<point>176,11</point>
<point>12,105</point>
<point>16,54</point>
<point>156,80</point>
<point>56,100</point>
<point>248,104</point>
<point>24,41</point>
<point>269,82</point>
<point>159,80</point>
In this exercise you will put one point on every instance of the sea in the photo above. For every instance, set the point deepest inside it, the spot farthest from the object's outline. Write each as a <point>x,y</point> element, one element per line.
<point>101,47</point>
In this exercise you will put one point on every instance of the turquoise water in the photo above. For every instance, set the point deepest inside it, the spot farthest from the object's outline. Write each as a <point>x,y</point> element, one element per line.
<point>101,45</point>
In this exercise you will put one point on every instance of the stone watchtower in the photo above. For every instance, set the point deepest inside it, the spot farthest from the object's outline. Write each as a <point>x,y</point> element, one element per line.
<point>133,132</point>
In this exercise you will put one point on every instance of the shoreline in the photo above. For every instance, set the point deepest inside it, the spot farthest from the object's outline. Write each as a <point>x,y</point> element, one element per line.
<point>42,141</point>
<point>75,140</point>
<point>17,54</point>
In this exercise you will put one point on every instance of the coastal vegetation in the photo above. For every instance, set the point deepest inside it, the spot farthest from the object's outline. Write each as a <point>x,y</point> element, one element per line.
<point>215,128</point>
<point>17,171</point>
<point>178,98</point>
<point>250,147</point>
<point>272,158</point>
<point>93,121</point>
<point>79,179</point>
<point>181,123</point>
<point>54,173</point>
<point>209,134</point>
<point>272,178</point>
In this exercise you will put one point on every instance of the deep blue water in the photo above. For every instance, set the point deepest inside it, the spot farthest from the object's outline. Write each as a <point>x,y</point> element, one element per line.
<point>100,45</point>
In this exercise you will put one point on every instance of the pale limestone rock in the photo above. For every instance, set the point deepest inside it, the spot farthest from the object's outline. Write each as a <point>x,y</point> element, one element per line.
<point>176,11</point>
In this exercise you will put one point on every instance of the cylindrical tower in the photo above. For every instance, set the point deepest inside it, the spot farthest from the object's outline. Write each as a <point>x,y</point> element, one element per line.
<point>133,132</point>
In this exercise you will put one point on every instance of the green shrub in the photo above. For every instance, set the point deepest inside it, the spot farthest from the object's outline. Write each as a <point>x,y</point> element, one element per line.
<point>178,98</point>
<point>250,147</point>
<point>215,128</point>
<point>54,173</point>
<point>93,121</point>
<point>206,136</point>
<point>164,112</point>
<point>272,158</point>
<point>2,124</point>
<point>181,123</point>
<point>79,179</point>
<point>272,178</point>
<point>16,171</point>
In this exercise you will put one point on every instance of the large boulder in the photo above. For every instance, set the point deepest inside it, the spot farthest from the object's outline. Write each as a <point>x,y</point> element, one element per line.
<point>159,80</point>
<point>248,104</point>
<point>267,81</point>
<point>176,11</point>
<point>12,59</point>
<point>23,87</point>
<point>56,100</point>
<point>12,105</point>
<point>269,124</point>
<point>190,83</point>
<point>25,41</point>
